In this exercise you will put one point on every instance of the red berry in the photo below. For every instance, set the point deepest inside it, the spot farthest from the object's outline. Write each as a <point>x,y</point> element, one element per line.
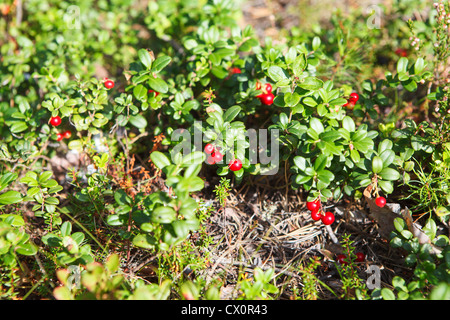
<point>258,86</point>
<point>217,156</point>
<point>209,148</point>
<point>313,205</point>
<point>354,97</point>
<point>360,257</point>
<point>210,160</point>
<point>380,201</point>
<point>341,258</point>
<point>328,218</point>
<point>109,84</point>
<point>235,165</point>
<point>401,52</point>
<point>235,70</point>
<point>59,136</point>
<point>55,121</point>
<point>316,215</point>
<point>350,104</point>
<point>267,98</point>
<point>67,134</point>
<point>156,92</point>
<point>268,87</point>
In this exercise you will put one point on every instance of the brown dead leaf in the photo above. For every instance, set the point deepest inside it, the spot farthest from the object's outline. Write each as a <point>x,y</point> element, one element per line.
<point>258,13</point>
<point>384,217</point>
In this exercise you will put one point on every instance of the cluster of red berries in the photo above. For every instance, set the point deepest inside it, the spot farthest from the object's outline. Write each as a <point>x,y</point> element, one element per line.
<point>216,156</point>
<point>341,258</point>
<point>380,201</point>
<point>108,83</point>
<point>318,214</point>
<point>401,52</point>
<point>66,134</point>
<point>351,101</point>
<point>56,121</point>
<point>267,96</point>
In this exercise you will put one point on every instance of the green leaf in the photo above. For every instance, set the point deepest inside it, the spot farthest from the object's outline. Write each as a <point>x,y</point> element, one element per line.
<point>122,198</point>
<point>138,121</point>
<point>354,154</point>
<point>181,228</point>
<point>44,176</point>
<point>6,179</point>
<point>76,145</point>
<point>309,101</point>
<point>419,65</point>
<point>291,99</point>
<point>386,186</point>
<point>377,164</point>
<point>26,249</point>
<point>388,157</point>
<point>441,292</point>
<point>311,83</point>
<point>158,85</point>
<point>348,124</point>
<point>301,179</point>
<point>136,80</point>
<point>10,197</point>
<point>231,113</point>
<point>192,184</point>
<point>284,120</point>
<point>163,215</point>
<point>276,73</point>
<point>144,241</point>
<point>316,43</point>
<point>300,64</point>
<point>387,294</point>
<point>320,162</point>
<point>399,224</point>
<point>410,85</point>
<point>66,229</point>
<point>390,174</point>
<point>18,126</point>
<point>325,176</point>
<point>300,162</point>
<point>430,229</point>
<point>159,159</point>
<point>114,220</point>
<point>399,284</point>
<point>196,157</point>
<point>317,125</point>
<point>145,58</point>
<point>402,64</point>
<point>442,211</point>
<point>113,262</point>
<point>140,92</point>
<point>160,63</point>
<point>386,144</point>
<point>403,76</point>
